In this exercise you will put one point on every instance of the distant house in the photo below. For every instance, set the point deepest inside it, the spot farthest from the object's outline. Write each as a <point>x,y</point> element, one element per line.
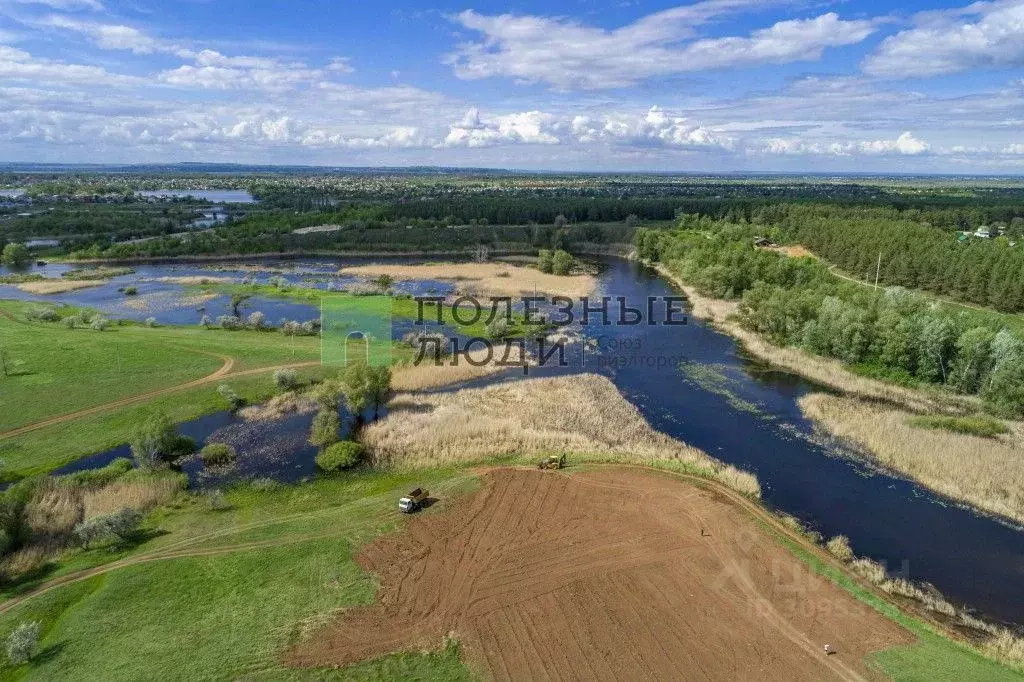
<point>985,232</point>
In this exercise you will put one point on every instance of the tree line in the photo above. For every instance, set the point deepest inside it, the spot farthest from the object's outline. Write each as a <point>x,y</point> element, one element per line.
<point>889,333</point>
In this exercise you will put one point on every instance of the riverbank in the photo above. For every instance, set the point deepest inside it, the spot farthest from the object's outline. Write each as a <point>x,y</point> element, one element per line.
<point>986,473</point>
<point>825,371</point>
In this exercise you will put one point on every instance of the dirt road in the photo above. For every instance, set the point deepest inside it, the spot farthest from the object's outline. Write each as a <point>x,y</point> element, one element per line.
<point>224,372</point>
<point>617,573</point>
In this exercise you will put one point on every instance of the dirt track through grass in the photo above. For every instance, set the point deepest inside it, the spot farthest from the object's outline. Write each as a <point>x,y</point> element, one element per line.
<point>223,373</point>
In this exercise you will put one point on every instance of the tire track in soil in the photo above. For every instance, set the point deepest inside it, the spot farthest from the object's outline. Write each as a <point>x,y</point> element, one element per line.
<point>608,567</point>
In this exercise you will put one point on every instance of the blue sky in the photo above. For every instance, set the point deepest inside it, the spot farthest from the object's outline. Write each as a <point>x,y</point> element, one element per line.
<point>714,85</point>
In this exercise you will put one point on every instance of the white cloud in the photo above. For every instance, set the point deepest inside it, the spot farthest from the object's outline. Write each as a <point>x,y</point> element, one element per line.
<point>65,5</point>
<point>19,65</point>
<point>906,144</point>
<point>111,36</point>
<point>567,54</point>
<point>653,128</point>
<point>529,127</point>
<point>983,35</point>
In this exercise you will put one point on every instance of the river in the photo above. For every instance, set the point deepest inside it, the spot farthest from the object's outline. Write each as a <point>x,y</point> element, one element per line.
<point>695,384</point>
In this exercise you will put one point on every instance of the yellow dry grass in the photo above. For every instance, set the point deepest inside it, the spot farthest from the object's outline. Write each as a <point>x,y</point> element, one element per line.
<point>582,415</point>
<point>426,374</point>
<point>141,494</point>
<point>825,371</point>
<point>55,509</point>
<point>279,407</point>
<point>492,279</point>
<point>984,472</point>
<point>58,286</point>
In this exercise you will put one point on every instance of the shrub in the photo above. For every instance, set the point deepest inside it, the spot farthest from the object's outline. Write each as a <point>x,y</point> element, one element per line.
<point>156,440</point>
<point>131,291</point>
<point>205,321</point>
<point>264,485</point>
<point>43,314</point>
<point>256,320</point>
<point>545,261</point>
<point>286,379</point>
<point>325,428</point>
<point>118,527</point>
<point>100,324</point>
<point>977,425</point>
<point>23,643</point>
<point>339,456</point>
<point>217,453</point>
<point>15,255</point>
<point>561,263</point>
<point>151,322</point>
<point>839,547</point>
<point>69,322</point>
<point>234,400</point>
<point>229,322</point>
<point>217,502</point>
<point>96,478</point>
<point>498,328</point>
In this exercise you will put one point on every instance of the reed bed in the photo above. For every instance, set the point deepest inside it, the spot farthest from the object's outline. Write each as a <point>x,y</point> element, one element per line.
<point>582,415</point>
<point>279,407</point>
<point>984,472</point>
<point>57,286</point>
<point>55,508</point>
<point>496,279</point>
<point>427,374</point>
<point>194,280</point>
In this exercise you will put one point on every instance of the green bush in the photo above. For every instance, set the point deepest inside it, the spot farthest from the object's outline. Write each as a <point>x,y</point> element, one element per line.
<point>117,528</point>
<point>15,256</point>
<point>339,456</point>
<point>286,379</point>
<point>325,428</point>
<point>545,261</point>
<point>977,425</point>
<point>98,477</point>
<point>23,643</point>
<point>561,263</point>
<point>217,453</point>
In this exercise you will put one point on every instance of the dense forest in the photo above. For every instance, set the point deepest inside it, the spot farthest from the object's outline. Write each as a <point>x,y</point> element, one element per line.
<point>890,333</point>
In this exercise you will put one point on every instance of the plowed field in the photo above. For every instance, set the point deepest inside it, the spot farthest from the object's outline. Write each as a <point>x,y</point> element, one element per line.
<point>611,574</point>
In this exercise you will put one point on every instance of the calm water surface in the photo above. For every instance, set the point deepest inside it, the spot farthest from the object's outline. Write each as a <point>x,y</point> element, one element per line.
<point>695,384</point>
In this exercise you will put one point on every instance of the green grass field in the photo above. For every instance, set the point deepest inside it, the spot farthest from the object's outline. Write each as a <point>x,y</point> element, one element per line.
<point>54,370</point>
<point>231,615</point>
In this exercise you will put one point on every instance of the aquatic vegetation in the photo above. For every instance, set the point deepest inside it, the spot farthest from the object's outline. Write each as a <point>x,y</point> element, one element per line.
<point>714,379</point>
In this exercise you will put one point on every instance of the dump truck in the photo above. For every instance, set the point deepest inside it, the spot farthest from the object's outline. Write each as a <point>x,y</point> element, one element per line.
<point>552,462</point>
<point>413,501</point>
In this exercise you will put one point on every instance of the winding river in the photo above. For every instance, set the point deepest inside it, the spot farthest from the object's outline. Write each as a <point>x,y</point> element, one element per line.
<point>694,383</point>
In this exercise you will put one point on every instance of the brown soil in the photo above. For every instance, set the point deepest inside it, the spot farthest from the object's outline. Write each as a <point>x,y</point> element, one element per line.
<point>618,573</point>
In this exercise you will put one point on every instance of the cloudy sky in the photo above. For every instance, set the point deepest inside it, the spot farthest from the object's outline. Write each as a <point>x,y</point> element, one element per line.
<point>714,85</point>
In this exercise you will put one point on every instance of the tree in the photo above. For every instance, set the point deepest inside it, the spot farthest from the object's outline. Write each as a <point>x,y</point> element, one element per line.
<point>23,643</point>
<point>4,362</point>
<point>384,282</point>
<point>365,387</point>
<point>236,303</point>
<point>974,357</point>
<point>325,428</point>
<point>15,256</point>
<point>256,320</point>
<point>545,260</point>
<point>156,440</point>
<point>561,220</point>
<point>561,262</point>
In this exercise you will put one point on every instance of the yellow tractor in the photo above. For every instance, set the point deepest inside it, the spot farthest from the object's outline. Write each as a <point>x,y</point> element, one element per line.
<point>552,462</point>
